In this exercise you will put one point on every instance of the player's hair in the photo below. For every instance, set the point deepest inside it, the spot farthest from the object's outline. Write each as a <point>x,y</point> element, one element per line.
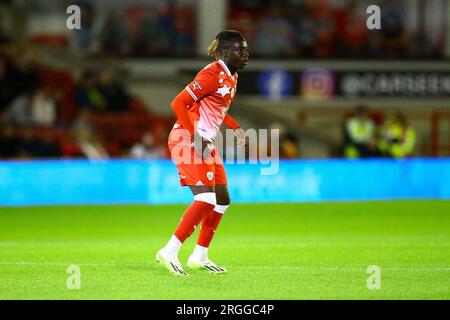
<point>222,41</point>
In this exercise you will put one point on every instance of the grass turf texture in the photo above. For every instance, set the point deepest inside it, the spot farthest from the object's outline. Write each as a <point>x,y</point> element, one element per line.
<point>272,251</point>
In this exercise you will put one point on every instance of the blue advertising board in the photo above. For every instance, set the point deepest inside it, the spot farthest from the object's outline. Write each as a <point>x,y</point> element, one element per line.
<point>156,182</point>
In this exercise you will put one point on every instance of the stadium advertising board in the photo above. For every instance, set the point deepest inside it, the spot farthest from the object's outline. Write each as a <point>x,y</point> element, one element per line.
<point>324,83</point>
<point>153,182</point>
<point>392,83</point>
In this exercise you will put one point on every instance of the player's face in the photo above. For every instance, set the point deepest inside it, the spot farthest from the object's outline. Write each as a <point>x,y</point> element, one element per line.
<point>239,55</point>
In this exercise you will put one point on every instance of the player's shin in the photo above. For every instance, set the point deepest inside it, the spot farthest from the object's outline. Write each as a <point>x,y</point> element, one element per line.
<point>209,226</point>
<point>203,203</point>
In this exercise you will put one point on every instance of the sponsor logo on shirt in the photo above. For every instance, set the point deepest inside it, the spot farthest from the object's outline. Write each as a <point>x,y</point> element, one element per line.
<point>196,85</point>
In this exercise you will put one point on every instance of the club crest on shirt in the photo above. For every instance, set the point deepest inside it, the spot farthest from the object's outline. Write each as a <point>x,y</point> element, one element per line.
<point>210,175</point>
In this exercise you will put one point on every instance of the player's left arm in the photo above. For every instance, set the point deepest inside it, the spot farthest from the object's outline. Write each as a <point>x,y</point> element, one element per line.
<point>230,122</point>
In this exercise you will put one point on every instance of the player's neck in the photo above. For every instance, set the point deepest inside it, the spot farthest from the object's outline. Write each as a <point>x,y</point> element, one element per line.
<point>232,69</point>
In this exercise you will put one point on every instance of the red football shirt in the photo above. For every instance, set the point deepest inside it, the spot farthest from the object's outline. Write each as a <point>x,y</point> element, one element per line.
<point>213,89</point>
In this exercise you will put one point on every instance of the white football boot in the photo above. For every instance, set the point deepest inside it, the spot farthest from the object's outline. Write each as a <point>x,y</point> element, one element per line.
<point>170,263</point>
<point>205,264</point>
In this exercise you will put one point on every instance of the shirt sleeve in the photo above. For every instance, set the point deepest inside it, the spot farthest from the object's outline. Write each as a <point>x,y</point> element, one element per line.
<point>181,104</point>
<point>205,83</point>
<point>230,122</point>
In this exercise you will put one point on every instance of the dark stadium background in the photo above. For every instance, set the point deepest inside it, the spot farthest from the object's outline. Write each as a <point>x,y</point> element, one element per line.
<point>86,176</point>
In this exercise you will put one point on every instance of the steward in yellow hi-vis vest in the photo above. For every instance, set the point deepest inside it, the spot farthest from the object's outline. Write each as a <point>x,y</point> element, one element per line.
<point>397,138</point>
<point>359,132</point>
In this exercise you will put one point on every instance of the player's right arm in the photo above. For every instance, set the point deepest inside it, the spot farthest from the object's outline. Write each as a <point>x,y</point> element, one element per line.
<point>205,83</point>
<point>180,106</point>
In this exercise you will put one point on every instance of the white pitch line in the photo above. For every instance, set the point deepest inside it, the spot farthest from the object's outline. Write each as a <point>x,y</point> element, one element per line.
<point>8,244</point>
<point>77,244</point>
<point>101,265</point>
<point>298,268</point>
<point>292,245</point>
<point>340,268</point>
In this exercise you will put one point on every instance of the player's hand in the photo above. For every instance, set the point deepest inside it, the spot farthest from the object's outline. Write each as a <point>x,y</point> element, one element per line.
<point>242,139</point>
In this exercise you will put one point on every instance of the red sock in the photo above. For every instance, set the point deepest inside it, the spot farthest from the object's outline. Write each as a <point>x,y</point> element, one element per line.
<point>209,226</point>
<point>191,218</point>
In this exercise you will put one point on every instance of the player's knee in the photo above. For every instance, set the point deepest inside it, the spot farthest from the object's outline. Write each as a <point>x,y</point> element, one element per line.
<point>207,197</point>
<point>223,199</point>
<point>221,208</point>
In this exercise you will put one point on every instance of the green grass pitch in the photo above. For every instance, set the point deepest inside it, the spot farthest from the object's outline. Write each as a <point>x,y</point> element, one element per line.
<point>272,251</point>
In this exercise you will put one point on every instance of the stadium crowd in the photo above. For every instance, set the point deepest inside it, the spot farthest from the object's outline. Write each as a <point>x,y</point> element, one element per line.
<point>323,29</point>
<point>139,30</point>
<point>274,29</point>
<point>295,28</point>
<point>46,113</point>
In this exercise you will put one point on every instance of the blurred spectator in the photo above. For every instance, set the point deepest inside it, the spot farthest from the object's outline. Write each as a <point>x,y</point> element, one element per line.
<point>274,34</point>
<point>153,39</point>
<point>395,40</point>
<point>102,92</point>
<point>147,148</point>
<point>115,65</point>
<point>323,27</point>
<point>19,112</point>
<point>353,40</point>
<point>44,108</point>
<point>288,147</point>
<point>83,121</point>
<point>88,95</point>
<point>304,34</point>
<point>85,37</point>
<point>33,109</point>
<point>184,32</point>
<point>89,145</point>
<point>113,91</point>
<point>359,135</point>
<point>113,35</point>
<point>397,137</point>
